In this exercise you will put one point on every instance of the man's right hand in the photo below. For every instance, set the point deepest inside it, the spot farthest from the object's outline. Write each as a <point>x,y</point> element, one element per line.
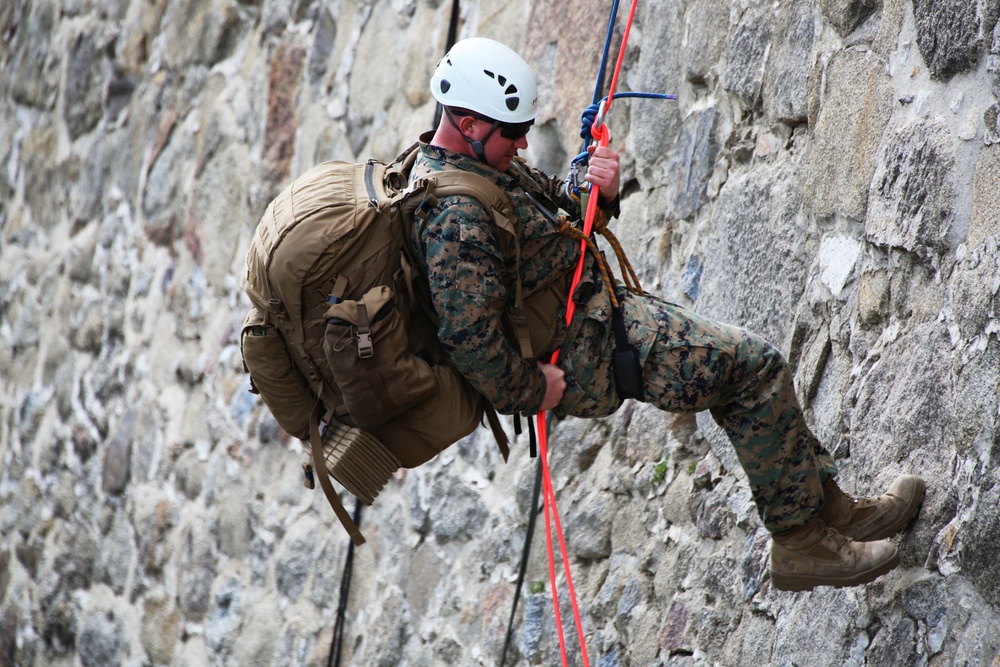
<point>555,385</point>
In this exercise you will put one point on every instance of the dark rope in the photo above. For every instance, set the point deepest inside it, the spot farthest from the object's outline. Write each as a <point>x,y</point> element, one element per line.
<point>452,34</point>
<point>336,643</point>
<point>525,553</point>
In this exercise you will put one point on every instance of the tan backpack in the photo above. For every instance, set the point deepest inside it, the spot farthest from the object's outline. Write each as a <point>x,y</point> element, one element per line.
<point>341,330</point>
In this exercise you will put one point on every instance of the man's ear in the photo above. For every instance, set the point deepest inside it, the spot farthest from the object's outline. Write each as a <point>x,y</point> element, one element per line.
<point>465,124</point>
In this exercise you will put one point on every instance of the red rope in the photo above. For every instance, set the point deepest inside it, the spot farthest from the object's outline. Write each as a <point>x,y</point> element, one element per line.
<point>601,134</point>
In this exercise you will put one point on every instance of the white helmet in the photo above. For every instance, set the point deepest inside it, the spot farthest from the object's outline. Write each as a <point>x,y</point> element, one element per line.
<point>486,77</point>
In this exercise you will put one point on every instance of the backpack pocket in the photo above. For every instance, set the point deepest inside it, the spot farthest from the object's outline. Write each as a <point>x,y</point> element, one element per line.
<point>367,348</point>
<point>273,374</point>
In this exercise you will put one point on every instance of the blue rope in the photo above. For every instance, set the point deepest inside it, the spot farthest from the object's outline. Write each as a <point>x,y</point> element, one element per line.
<point>590,113</point>
<point>604,56</point>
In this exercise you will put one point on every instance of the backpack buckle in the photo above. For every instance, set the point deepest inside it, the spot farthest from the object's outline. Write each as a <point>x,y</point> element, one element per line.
<point>365,349</point>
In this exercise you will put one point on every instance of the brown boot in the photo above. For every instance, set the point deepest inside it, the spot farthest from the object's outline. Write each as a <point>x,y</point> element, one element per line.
<point>867,519</point>
<point>817,555</point>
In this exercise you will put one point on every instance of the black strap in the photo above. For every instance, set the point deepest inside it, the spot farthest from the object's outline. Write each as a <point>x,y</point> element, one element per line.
<point>626,363</point>
<point>525,554</point>
<point>337,642</point>
<point>532,442</point>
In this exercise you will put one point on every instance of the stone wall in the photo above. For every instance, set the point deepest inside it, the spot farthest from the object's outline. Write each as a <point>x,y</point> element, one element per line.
<point>828,177</point>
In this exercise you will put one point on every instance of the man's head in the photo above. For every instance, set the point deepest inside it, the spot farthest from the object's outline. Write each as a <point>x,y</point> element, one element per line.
<point>490,100</point>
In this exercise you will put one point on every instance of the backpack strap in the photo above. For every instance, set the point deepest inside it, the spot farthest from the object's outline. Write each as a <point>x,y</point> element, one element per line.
<point>495,200</point>
<point>319,462</point>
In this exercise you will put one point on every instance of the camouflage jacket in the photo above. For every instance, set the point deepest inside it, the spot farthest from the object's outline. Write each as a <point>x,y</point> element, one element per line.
<point>470,271</point>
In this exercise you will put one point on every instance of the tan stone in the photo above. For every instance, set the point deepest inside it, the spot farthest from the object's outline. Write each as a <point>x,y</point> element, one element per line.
<point>856,105</point>
<point>984,220</point>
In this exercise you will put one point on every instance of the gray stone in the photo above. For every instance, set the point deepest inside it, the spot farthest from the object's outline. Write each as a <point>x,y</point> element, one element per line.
<point>829,635</point>
<point>691,162</point>
<point>974,293</point>
<point>658,70</point>
<point>755,562</point>
<point>110,165</point>
<point>117,457</point>
<point>846,15</point>
<point>748,53</point>
<point>750,643</point>
<point>692,278</point>
<point>894,645</point>
<point>710,515</point>
<point>117,555</point>
<point>535,625</point>
<point>295,559</point>
<point>8,630</point>
<point>979,543</point>
<point>977,384</point>
<point>162,199</point>
<point>224,618</point>
<point>82,93</point>
<point>200,32</point>
<point>754,269</point>
<point>34,73</point>
<point>70,560</point>
<point>927,601</point>
<point>197,573</point>
<point>46,176</point>
<point>388,632</point>
<point>258,633</point>
<point>189,473</point>
<point>707,24</point>
<point>232,528</point>
<point>101,641</point>
<point>948,34</point>
<point>447,525</point>
<point>901,407</point>
<point>789,63</point>
<point>993,60</point>
<point>59,624</point>
<point>588,528</point>
<point>910,204</point>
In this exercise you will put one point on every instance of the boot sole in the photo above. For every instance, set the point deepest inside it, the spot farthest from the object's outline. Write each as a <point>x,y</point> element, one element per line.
<point>799,582</point>
<point>905,520</point>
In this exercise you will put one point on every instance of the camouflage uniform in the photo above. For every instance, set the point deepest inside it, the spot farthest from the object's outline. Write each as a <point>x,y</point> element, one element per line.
<point>690,363</point>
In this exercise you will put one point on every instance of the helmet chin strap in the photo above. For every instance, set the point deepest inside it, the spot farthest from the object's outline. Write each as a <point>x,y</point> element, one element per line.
<point>476,146</point>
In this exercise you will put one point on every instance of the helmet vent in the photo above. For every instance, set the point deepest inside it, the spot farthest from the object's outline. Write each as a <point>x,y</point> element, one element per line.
<point>445,85</point>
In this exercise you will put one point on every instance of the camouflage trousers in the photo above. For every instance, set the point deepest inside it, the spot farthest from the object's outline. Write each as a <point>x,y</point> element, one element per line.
<point>693,363</point>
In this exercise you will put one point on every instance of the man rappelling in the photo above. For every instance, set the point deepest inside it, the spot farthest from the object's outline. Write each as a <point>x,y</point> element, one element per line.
<point>500,299</point>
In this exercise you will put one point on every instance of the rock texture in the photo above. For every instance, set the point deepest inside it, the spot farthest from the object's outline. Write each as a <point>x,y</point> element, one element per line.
<point>828,177</point>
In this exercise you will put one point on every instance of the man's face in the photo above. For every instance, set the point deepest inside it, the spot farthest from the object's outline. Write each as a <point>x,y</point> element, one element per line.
<point>499,149</point>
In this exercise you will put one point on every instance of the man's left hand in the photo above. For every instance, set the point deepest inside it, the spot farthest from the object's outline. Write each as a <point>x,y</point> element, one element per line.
<point>603,171</point>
